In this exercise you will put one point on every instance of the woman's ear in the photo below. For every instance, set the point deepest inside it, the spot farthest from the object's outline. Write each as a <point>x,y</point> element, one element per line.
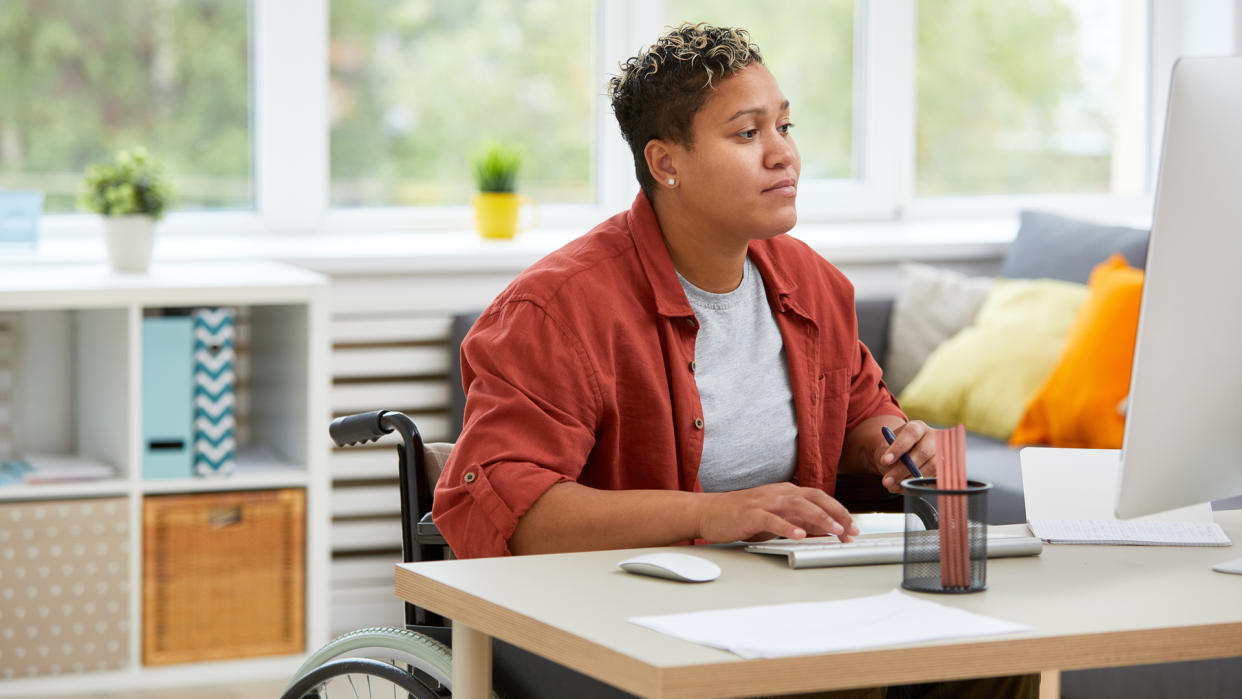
<point>660,163</point>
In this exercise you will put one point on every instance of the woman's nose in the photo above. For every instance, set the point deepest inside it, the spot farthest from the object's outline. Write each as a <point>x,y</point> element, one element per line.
<point>782,152</point>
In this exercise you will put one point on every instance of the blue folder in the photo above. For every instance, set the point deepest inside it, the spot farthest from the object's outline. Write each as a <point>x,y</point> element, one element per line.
<point>167,401</point>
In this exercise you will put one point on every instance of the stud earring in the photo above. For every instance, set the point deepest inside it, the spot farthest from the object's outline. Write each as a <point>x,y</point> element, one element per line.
<point>671,181</point>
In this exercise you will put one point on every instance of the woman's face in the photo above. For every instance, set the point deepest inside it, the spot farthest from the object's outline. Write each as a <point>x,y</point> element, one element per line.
<point>741,174</point>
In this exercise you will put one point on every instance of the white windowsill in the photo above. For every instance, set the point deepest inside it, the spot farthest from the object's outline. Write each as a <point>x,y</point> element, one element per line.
<point>448,252</point>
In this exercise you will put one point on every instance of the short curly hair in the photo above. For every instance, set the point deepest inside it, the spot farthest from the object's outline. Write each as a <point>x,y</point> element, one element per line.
<point>659,91</point>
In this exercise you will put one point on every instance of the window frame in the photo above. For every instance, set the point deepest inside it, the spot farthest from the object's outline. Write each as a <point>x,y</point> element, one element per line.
<point>291,130</point>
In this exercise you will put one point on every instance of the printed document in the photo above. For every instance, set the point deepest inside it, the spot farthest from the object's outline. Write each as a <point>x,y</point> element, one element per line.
<point>806,628</point>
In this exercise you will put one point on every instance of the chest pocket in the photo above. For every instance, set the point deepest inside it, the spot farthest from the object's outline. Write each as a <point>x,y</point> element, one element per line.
<point>834,403</point>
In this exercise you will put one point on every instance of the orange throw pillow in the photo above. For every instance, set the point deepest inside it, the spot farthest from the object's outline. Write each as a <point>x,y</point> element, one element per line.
<point>1078,404</point>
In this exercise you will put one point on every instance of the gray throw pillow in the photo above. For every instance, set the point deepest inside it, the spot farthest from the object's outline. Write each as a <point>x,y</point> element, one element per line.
<point>1055,247</point>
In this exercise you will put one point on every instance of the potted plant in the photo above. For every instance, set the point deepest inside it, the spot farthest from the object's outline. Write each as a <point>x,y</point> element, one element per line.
<point>496,204</point>
<point>131,192</point>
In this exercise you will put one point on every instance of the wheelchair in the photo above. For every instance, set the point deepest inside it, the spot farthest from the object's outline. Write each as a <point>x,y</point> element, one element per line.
<point>416,659</point>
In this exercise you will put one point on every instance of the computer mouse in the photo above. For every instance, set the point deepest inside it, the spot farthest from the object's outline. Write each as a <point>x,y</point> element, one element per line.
<point>1234,566</point>
<point>681,567</point>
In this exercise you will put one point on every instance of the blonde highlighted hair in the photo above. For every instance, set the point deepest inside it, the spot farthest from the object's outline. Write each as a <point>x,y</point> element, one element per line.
<point>658,92</point>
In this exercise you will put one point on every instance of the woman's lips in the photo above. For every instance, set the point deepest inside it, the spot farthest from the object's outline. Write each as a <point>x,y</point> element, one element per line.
<point>783,189</point>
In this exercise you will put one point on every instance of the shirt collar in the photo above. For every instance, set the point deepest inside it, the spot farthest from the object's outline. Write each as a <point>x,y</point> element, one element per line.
<point>782,290</point>
<point>670,298</point>
<point>657,263</point>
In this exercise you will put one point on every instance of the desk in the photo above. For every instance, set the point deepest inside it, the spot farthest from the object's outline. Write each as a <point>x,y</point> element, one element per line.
<point>1087,606</point>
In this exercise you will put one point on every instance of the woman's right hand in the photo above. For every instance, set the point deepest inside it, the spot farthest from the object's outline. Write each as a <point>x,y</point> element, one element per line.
<point>776,509</point>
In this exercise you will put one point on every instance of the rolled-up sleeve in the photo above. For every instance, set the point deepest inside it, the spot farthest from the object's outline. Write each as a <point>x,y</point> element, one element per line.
<point>532,404</point>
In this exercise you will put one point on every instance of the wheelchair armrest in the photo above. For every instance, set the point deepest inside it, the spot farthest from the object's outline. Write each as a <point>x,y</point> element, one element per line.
<point>426,533</point>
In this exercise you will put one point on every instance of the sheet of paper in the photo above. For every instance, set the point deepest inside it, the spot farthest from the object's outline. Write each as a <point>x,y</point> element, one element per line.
<point>804,628</point>
<point>884,523</point>
<point>1101,531</point>
<point>1083,484</point>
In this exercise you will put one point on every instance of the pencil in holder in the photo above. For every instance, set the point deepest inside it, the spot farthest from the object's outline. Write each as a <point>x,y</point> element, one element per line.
<point>950,554</point>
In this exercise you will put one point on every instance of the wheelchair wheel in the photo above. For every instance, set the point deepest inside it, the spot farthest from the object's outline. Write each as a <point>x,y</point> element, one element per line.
<point>362,677</point>
<point>419,657</point>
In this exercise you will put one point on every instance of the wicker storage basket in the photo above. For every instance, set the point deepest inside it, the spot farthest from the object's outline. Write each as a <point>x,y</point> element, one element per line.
<point>223,575</point>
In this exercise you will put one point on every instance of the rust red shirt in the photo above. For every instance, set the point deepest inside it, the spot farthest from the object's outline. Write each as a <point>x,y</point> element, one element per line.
<point>581,371</point>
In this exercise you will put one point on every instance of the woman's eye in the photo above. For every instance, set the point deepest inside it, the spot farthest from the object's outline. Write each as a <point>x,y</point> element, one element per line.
<point>749,133</point>
<point>784,128</point>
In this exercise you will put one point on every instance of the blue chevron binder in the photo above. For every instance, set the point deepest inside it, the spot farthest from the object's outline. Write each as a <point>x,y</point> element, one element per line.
<point>215,444</point>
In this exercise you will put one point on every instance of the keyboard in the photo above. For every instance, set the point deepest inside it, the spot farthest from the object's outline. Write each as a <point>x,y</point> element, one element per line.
<point>822,552</point>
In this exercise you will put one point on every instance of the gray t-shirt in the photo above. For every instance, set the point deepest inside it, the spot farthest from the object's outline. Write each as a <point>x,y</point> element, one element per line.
<point>750,433</point>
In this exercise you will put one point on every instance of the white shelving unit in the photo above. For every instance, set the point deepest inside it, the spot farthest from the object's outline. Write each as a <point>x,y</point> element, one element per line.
<point>77,391</point>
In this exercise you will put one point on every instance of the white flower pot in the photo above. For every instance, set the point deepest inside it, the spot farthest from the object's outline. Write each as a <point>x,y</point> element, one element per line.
<point>129,240</point>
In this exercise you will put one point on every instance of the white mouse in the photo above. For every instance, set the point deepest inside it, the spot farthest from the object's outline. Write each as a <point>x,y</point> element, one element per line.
<point>681,567</point>
<point>1234,566</point>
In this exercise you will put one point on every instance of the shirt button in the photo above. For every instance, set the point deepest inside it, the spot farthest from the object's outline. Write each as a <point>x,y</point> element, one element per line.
<point>691,322</point>
<point>698,423</point>
<point>692,367</point>
<point>469,477</point>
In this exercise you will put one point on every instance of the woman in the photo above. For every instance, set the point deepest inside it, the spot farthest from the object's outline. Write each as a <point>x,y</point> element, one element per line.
<point>685,371</point>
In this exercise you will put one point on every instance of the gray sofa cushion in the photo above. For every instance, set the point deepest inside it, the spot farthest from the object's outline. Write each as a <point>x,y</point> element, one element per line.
<point>1055,247</point>
<point>1201,679</point>
<point>873,320</point>
<point>996,462</point>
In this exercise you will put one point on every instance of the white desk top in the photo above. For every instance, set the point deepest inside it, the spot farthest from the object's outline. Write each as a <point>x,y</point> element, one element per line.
<point>1088,606</point>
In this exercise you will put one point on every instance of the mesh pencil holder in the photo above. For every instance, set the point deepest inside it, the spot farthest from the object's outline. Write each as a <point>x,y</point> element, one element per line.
<point>951,553</point>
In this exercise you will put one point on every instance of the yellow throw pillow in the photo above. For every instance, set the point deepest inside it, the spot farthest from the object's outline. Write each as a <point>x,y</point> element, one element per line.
<point>983,376</point>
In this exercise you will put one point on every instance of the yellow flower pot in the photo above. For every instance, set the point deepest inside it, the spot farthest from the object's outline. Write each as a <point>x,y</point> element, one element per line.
<point>496,214</point>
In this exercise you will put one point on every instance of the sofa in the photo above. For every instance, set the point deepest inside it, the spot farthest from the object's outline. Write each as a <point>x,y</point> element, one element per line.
<point>1047,246</point>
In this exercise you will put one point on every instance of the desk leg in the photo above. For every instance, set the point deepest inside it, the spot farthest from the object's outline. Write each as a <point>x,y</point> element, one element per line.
<point>1050,684</point>
<point>472,663</point>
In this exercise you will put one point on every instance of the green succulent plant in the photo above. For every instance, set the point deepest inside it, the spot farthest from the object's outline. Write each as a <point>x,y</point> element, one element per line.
<point>133,183</point>
<point>496,167</point>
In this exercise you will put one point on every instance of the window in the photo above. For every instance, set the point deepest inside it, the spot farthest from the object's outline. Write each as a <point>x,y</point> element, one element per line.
<point>312,115</point>
<point>82,79</point>
<point>809,47</point>
<point>417,87</point>
<point>1021,97</point>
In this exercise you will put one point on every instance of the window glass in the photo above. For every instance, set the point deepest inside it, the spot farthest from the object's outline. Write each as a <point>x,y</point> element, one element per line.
<point>419,86</point>
<point>80,80</point>
<point>809,47</point>
<point>1031,96</point>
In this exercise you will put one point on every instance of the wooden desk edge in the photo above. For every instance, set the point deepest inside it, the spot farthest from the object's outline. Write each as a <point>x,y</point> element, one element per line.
<point>994,657</point>
<point>599,662</point>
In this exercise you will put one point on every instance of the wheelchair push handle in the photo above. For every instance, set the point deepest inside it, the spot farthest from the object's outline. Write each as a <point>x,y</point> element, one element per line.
<point>359,428</point>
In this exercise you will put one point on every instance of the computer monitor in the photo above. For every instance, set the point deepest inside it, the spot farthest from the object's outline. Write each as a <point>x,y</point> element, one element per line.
<point>1183,436</point>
